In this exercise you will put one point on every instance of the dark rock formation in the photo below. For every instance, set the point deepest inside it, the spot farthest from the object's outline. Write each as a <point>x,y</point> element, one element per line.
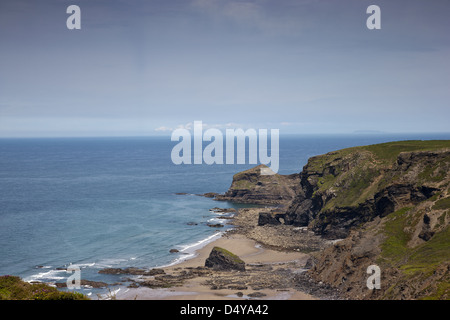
<point>132,271</point>
<point>251,187</point>
<point>209,195</point>
<point>83,282</point>
<point>392,209</point>
<point>426,233</point>
<point>267,218</point>
<point>342,190</point>
<point>215,225</point>
<point>221,259</point>
<point>223,210</point>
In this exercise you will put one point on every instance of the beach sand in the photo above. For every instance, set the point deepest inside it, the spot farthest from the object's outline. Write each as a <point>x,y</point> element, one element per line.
<point>265,268</point>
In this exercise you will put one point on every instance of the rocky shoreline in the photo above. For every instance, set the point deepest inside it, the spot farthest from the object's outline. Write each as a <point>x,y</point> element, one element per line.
<point>260,279</point>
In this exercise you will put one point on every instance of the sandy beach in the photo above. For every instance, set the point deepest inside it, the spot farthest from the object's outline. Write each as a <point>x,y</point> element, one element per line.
<point>269,270</point>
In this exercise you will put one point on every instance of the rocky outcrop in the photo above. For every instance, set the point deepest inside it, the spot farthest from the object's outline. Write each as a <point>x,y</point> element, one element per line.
<point>392,210</point>
<point>267,218</point>
<point>83,282</point>
<point>221,259</point>
<point>386,205</point>
<point>342,190</point>
<point>251,187</point>
<point>132,271</point>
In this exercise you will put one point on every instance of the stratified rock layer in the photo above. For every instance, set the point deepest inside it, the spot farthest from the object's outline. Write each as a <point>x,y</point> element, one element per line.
<point>251,187</point>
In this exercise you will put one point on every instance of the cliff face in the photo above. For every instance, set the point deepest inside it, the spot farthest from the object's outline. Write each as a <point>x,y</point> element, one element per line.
<point>342,190</point>
<point>251,187</point>
<point>390,206</point>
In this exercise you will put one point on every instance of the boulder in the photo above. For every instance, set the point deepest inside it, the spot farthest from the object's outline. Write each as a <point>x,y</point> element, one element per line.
<point>221,259</point>
<point>132,271</point>
<point>267,218</point>
<point>215,225</point>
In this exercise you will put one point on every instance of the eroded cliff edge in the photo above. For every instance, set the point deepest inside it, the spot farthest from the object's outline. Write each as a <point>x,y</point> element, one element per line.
<point>251,187</point>
<point>390,205</point>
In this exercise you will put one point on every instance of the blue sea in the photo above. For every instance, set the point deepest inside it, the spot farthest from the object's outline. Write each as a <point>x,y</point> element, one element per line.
<point>112,203</point>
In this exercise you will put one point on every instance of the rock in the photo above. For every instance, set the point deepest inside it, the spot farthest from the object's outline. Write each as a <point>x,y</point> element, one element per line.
<point>251,187</point>
<point>339,190</point>
<point>93,284</point>
<point>135,271</point>
<point>257,294</point>
<point>222,259</point>
<point>267,218</point>
<point>174,250</point>
<point>311,262</point>
<point>209,195</point>
<point>217,225</point>
<point>111,271</point>
<point>222,210</point>
<point>237,287</point>
<point>132,271</point>
<point>426,233</point>
<point>133,285</point>
<point>155,271</point>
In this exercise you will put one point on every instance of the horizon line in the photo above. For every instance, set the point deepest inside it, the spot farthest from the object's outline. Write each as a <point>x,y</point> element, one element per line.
<point>381,133</point>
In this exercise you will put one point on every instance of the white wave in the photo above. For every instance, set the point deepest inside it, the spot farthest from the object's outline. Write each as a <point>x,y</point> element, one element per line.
<point>82,265</point>
<point>217,220</point>
<point>52,275</point>
<point>189,250</point>
<point>201,243</point>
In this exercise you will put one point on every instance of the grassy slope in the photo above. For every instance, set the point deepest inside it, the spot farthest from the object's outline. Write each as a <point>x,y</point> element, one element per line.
<point>13,288</point>
<point>356,185</point>
<point>368,176</point>
<point>419,262</point>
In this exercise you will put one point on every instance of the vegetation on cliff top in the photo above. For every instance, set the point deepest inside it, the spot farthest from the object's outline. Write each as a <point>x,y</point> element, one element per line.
<point>13,288</point>
<point>354,174</point>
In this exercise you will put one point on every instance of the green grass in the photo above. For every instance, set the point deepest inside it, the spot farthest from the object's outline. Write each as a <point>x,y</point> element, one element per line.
<point>394,249</point>
<point>442,204</point>
<point>424,257</point>
<point>443,290</point>
<point>229,254</point>
<point>367,174</point>
<point>436,172</point>
<point>13,288</point>
<point>419,262</point>
<point>384,152</point>
<point>428,256</point>
<point>243,185</point>
<point>388,152</point>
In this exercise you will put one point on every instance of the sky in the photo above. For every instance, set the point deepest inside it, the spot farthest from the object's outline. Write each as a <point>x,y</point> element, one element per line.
<point>146,67</point>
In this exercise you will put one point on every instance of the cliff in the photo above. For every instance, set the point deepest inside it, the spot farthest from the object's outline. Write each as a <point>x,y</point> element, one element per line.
<point>341,190</point>
<point>386,205</point>
<point>251,187</point>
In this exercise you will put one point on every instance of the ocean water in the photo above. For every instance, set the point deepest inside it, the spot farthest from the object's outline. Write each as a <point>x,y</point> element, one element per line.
<point>112,202</point>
